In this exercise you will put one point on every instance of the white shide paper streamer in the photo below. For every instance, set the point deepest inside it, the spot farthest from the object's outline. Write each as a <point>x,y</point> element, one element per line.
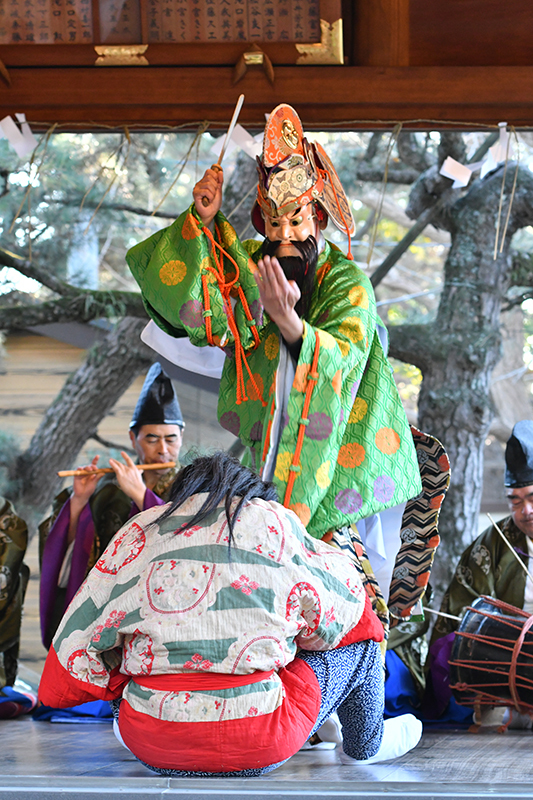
<point>22,140</point>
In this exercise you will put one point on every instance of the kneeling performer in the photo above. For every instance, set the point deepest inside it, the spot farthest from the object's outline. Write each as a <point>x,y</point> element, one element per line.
<point>190,623</point>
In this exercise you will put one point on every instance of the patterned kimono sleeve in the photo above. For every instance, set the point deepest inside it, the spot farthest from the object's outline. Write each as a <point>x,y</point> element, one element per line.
<point>186,275</point>
<point>336,344</point>
<point>328,596</point>
<point>84,660</point>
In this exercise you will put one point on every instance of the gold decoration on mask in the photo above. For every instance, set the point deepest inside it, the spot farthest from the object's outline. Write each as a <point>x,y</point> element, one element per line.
<point>289,134</point>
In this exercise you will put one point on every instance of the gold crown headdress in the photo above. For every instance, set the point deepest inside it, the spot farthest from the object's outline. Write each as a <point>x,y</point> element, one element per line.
<point>294,172</point>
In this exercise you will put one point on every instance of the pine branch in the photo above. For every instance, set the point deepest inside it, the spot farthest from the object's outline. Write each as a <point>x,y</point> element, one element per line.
<point>30,270</point>
<point>143,212</point>
<point>517,300</point>
<point>112,445</point>
<point>84,307</point>
<point>451,143</point>
<point>412,344</point>
<point>412,154</point>
<point>402,175</point>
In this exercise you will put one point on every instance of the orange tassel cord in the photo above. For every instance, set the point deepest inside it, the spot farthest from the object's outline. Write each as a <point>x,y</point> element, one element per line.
<point>225,287</point>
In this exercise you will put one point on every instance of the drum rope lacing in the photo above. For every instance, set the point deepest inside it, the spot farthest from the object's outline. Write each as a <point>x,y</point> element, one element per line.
<point>485,697</point>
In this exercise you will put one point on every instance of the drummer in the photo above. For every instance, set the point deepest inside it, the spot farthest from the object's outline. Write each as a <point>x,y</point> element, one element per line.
<point>488,566</point>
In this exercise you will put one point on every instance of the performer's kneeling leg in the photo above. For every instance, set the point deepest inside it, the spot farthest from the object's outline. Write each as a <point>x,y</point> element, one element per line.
<point>351,682</point>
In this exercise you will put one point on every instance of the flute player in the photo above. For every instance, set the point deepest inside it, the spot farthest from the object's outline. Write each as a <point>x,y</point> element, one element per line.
<point>85,519</point>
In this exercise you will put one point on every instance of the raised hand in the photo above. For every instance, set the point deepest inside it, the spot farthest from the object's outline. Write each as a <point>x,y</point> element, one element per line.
<point>210,187</point>
<point>84,485</point>
<point>82,490</point>
<point>129,478</point>
<point>279,296</point>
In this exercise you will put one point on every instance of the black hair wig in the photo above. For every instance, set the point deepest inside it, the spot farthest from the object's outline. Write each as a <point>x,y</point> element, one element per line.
<point>222,477</point>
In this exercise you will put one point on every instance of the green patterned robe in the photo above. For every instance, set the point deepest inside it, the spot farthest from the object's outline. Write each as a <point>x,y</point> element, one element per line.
<point>14,576</point>
<point>357,456</point>
<point>488,567</point>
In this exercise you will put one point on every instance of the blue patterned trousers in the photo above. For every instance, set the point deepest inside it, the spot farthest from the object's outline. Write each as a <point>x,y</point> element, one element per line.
<point>351,683</point>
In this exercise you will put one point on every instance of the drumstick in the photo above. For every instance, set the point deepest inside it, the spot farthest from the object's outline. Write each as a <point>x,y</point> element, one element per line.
<point>442,614</point>
<point>67,473</point>
<point>235,117</point>
<point>511,548</point>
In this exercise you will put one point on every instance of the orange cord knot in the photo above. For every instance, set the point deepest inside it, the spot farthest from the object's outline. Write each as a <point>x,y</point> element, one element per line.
<point>225,286</point>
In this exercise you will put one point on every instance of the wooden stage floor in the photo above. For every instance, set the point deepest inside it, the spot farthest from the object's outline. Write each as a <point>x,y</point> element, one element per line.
<point>45,760</point>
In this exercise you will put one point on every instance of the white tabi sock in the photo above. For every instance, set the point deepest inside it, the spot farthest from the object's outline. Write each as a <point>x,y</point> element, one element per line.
<point>400,734</point>
<point>329,734</point>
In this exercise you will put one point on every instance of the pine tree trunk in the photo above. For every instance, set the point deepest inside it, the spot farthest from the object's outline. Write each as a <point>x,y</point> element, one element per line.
<point>87,396</point>
<point>458,352</point>
<point>454,402</point>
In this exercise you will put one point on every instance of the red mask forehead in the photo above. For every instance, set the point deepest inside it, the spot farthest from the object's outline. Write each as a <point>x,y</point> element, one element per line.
<point>283,135</point>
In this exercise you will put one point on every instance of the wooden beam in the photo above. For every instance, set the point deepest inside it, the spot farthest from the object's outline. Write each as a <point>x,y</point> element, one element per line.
<point>326,97</point>
<point>382,33</point>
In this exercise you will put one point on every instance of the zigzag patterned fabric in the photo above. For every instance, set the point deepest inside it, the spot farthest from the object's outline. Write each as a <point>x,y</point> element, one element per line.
<point>419,533</point>
<point>349,541</point>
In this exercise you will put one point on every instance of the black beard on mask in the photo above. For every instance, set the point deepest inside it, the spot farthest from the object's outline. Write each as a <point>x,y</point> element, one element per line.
<point>300,269</point>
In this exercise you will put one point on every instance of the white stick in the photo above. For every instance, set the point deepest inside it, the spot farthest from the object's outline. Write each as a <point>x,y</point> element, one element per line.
<point>441,614</point>
<point>511,548</point>
<point>235,117</point>
<point>232,124</point>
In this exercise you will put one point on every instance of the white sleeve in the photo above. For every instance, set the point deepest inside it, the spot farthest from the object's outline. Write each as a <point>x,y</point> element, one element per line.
<point>206,361</point>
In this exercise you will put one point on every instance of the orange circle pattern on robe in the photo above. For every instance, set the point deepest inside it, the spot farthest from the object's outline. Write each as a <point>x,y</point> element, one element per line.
<point>172,273</point>
<point>387,440</point>
<point>250,388</point>
<point>351,455</point>
<point>358,296</point>
<point>227,232</point>
<point>302,511</point>
<point>190,229</point>
<point>300,377</point>
<point>353,328</point>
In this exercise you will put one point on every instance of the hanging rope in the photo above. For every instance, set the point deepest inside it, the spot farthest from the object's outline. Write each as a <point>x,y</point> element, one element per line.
<point>44,140</point>
<point>202,127</point>
<point>392,141</point>
<point>500,204</point>
<point>103,168</point>
<point>118,172</point>
<point>513,190</point>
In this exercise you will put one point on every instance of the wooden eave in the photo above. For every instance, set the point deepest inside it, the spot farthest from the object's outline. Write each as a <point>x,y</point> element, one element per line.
<point>326,97</point>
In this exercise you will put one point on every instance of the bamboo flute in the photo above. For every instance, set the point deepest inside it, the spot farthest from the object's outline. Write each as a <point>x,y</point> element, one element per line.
<point>76,473</point>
